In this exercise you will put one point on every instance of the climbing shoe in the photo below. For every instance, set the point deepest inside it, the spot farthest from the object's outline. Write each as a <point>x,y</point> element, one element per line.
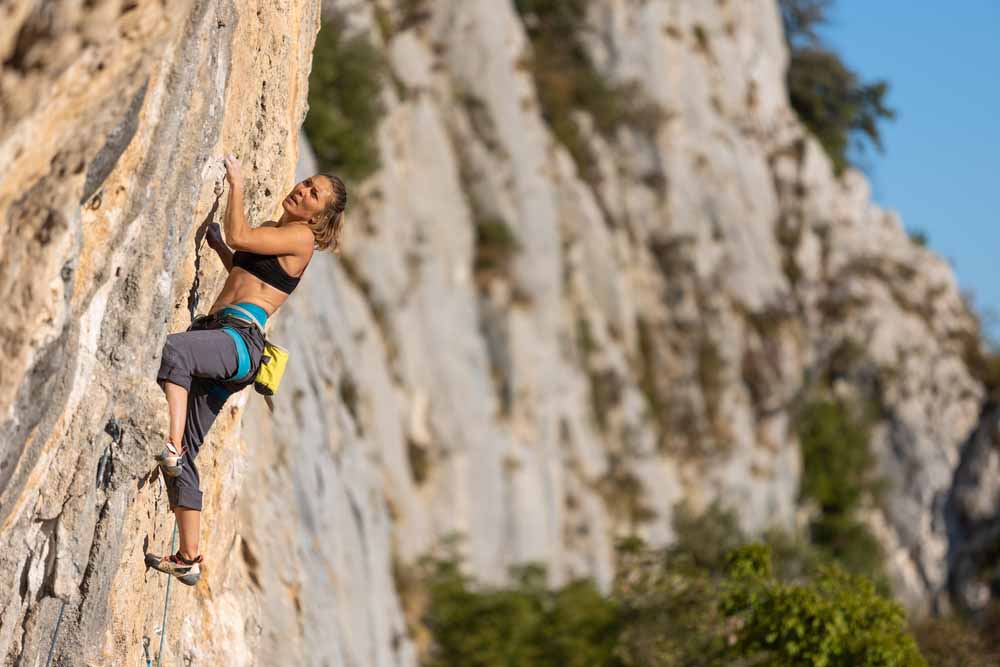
<point>170,459</point>
<point>188,571</point>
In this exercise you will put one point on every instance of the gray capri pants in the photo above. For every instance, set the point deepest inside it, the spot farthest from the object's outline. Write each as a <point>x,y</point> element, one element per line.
<point>200,359</point>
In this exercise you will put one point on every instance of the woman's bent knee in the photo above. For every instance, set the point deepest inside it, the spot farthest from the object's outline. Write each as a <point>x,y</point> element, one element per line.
<point>173,366</point>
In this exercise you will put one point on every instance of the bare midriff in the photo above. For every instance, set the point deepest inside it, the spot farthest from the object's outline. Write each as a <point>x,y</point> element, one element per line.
<point>243,286</point>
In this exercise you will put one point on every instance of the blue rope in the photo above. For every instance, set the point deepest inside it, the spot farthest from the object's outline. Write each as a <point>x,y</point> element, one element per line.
<point>48,661</point>
<point>166,603</point>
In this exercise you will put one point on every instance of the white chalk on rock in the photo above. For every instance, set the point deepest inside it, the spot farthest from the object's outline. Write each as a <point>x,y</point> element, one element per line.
<point>215,170</point>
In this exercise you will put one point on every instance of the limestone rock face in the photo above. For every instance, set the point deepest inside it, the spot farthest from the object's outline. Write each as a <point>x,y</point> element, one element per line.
<point>668,304</point>
<point>113,119</point>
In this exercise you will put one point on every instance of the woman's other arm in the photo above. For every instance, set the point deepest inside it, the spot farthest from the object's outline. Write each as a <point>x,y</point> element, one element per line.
<point>213,236</point>
<point>226,255</point>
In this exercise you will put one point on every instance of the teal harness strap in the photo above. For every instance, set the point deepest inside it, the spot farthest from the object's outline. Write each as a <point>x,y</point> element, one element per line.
<point>242,368</point>
<point>242,353</point>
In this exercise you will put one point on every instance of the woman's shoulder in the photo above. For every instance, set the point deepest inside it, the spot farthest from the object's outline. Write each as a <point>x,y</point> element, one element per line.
<point>292,228</point>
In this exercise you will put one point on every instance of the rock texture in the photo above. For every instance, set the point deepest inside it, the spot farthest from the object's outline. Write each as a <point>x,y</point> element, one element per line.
<point>115,116</point>
<point>645,345</point>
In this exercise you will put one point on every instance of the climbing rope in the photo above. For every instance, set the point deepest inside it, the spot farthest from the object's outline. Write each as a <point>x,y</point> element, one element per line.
<point>166,603</point>
<point>55,633</point>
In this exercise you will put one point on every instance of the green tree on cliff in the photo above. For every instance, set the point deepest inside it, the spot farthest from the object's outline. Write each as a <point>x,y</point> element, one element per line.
<point>840,109</point>
<point>344,101</point>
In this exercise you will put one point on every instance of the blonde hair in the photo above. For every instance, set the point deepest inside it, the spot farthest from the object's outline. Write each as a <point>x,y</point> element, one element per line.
<point>329,223</point>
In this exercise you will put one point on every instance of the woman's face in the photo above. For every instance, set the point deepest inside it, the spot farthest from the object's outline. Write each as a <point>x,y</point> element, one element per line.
<point>308,197</point>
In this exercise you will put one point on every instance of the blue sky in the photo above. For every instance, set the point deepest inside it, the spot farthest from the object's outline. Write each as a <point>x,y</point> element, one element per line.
<point>941,166</point>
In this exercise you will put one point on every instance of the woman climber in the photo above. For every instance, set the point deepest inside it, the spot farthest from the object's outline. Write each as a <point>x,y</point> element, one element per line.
<point>220,353</point>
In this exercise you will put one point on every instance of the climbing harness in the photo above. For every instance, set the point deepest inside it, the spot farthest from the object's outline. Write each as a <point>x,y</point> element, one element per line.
<point>272,362</point>
<point>55,633</point>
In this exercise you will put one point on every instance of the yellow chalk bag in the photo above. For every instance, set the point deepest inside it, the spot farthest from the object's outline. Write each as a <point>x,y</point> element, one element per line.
<point>272,367</point>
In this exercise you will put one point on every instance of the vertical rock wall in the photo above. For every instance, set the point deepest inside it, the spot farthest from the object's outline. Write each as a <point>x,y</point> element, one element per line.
<point>113,120</point>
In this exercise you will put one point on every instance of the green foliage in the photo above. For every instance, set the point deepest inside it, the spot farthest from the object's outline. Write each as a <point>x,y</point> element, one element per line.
<point>344,102</point>
<point>566,79</point>
<point>383,21</point>
<point>705,539</point>
<point>624,494</point>
<point>525,624</point>
<point>834,104</point>
<point>850,543</point>
<point>918,236</point>
<point>794,557</point>
<point>671,613</point>
<point>715,600</point>
<point>984,365</point>
<point>701,38</point>
<point>980,353</point>
<point>835,456</point>
<point>836,464</point>
<point>585,342</point>
<point>419,459</point>
<point>496,245</point>
<point>835,620</point>
<point>711,600</point>
<point>802,17</point>
<point>408,14</point>
<point>838,108</point>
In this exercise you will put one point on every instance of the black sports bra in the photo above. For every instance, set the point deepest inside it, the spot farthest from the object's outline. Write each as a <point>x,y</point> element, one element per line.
<point>267,268</point>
